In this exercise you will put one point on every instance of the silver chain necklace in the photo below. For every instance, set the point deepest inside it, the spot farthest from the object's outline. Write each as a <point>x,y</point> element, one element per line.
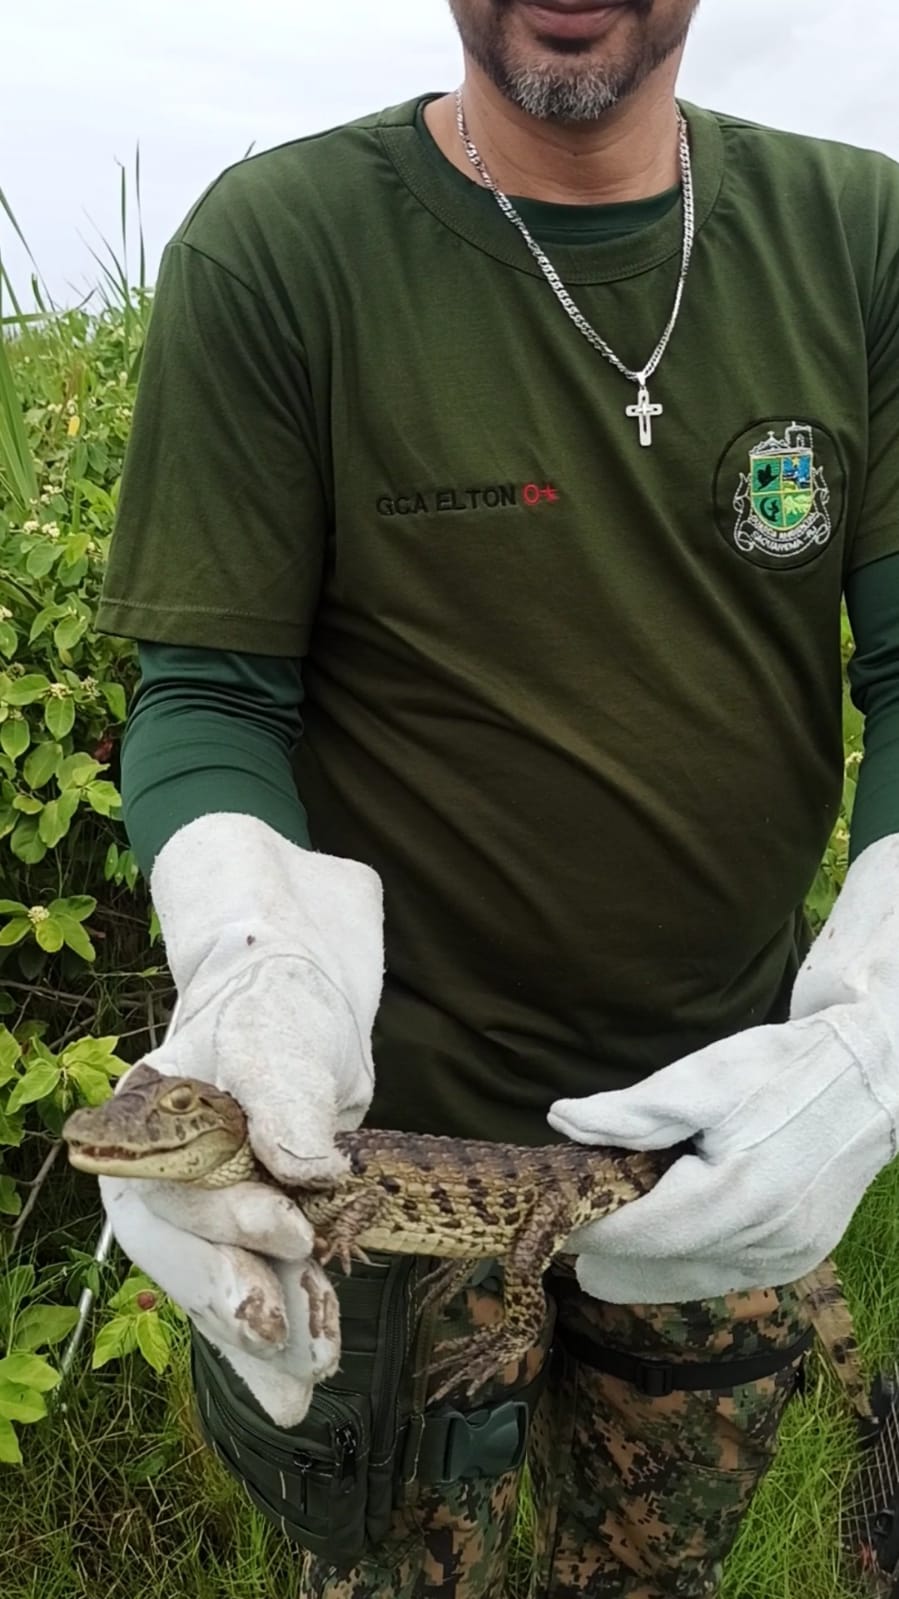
<point>644,410</point>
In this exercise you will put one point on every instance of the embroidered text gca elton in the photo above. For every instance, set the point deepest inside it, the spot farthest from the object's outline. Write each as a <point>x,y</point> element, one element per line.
<point>488,497</point>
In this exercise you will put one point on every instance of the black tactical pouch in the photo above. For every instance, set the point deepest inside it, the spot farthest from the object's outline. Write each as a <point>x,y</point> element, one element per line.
<point>331,1484</point>
<point>328,1483</point>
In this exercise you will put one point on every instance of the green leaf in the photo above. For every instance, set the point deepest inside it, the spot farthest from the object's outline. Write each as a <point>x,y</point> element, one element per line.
<point>56,818</point>
<point>26,843</point>
<point>49,934</point>
<point>94,1085</point>
<point>32,1033</point>
<point>111,863</point>
<point>10,1198</point>
<point>74,935</point>
<point>10,1052</point>
<point>76,771</point>
<point>39,1081</point>
<point>28,805</point>
<point>32,961</point>
<point>75,548</point>
<point>79,907</point>
<point>9,638</point>
<point>114,695</point>
<point>25,690</point>
<point>15,737</point>
<point>71,576</point>
<point>150,1465</point>
<point>154,1340</point>
<point>42,764</point>
<point>41,559</point>
<point>118,1337</point>
<point>21,1404</point>
<point>59,716</point>
<point>90,1051</point>
<point>15,931</point>
<point>69,632</point>
<point>12,1130</point>
<point>32,1371</point>
<point>41,1325</point>
<point>99,458</point>
<point>43,619</point>
<point>10,1453</point>
<point>104,798</point>
<point>7,1003</point>
<point>12,907</point>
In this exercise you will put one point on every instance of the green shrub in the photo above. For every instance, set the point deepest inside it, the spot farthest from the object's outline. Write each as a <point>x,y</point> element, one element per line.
<point>74,918</point>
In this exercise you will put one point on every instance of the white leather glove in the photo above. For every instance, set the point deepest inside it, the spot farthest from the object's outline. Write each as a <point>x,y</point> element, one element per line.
<point>277,956</point>
<point>790,1123</point>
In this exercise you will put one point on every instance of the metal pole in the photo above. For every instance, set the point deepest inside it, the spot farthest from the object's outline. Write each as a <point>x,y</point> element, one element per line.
<point>85,1304</point>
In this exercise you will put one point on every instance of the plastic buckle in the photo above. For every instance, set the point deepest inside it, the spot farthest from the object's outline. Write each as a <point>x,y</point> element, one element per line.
<point>487,1442</point>
<point>655,1379</point>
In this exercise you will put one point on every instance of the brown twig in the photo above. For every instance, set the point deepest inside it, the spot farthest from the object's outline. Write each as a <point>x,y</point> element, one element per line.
<point>46,993</point>
<point>35,1186</point>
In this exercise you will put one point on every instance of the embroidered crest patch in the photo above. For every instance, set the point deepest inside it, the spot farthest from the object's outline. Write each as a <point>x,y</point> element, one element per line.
<point>782,501</point>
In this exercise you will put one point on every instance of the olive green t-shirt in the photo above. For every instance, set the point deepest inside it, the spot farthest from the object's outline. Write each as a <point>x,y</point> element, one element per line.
<point>577,701</point>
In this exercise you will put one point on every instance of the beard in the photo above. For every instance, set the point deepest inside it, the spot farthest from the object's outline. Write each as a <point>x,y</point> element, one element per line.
<point>559,82</point>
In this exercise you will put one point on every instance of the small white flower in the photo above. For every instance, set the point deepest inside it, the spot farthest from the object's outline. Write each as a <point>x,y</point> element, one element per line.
<point>38,913</point>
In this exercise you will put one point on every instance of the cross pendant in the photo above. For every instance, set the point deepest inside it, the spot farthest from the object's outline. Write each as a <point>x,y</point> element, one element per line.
<point>644,412</point>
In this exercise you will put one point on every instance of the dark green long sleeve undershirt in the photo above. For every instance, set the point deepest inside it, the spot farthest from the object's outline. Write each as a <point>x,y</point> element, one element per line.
<point>210,731</point>
<point>214,731</point>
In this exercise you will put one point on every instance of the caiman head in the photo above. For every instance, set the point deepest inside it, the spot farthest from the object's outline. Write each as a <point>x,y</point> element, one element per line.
<point>177,1128</point>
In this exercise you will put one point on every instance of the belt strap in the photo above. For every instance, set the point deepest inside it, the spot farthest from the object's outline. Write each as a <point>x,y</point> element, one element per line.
<point>658,1378</point>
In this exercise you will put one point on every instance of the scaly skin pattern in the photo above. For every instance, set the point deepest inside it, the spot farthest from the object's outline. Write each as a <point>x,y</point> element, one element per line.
<point>456,1200</point>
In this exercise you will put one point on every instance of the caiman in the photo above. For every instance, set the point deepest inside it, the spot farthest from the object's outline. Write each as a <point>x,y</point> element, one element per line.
<point>455,1200</point>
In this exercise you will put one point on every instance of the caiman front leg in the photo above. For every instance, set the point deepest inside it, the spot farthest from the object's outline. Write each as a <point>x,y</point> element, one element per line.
<point>358,1214</point>
<point>472,1360</point>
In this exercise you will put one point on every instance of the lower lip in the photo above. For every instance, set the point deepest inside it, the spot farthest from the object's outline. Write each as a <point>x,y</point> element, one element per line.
<point>572,24</point>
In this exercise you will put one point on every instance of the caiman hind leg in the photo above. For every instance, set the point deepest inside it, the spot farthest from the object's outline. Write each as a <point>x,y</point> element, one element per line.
<point>471,1361</point>
<point>442,1285</point>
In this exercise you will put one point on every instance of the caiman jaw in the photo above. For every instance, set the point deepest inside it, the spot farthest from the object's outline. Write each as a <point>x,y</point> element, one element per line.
<point>183,1163</point>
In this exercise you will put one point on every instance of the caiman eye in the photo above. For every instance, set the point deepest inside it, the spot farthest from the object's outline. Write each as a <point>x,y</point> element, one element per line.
<point>180,1099</point>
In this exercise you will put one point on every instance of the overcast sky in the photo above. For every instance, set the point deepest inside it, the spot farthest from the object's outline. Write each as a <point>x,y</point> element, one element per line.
<point>197,82</point>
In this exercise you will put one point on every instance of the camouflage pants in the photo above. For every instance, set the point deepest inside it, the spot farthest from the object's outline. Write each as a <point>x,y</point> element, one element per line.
<point>633,1497</point>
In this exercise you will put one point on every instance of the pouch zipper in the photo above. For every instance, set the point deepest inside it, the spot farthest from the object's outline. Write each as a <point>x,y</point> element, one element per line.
<point>394,1340</point>
<point>346,1439</point>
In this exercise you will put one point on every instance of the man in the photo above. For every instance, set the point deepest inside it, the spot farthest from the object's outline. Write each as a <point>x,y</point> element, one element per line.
<point>532,435</point>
